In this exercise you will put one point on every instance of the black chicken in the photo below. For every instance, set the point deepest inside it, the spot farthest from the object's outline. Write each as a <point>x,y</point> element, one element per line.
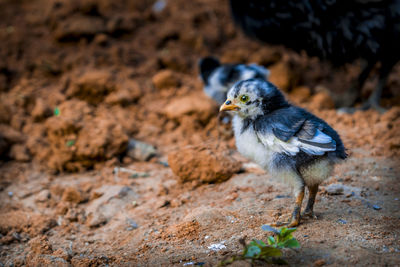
<point>338,31</point>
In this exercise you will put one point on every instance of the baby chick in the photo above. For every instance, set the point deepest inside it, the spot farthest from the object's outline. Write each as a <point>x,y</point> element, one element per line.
<point>218,78</point>
<point>286,140</point>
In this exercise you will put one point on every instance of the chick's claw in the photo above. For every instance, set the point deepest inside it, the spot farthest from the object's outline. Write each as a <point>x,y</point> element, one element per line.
<point>308,214</point>
<point>292,223</point>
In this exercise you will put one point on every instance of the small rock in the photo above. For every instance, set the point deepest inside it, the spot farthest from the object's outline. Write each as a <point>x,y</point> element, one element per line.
<point>43,196</point>
<point>320,262</point>
<point>341,221</point>
<point>203,164</point>
<point>140,151</point>
<point>165,79</point>
<point>132,224</point>
<point>339,189</point>
<point>217,247</point>
<point>334,189</point>
<point>283,196</point>
<point>96,219</point>
<point>376,207</point>
<point>165,164</point>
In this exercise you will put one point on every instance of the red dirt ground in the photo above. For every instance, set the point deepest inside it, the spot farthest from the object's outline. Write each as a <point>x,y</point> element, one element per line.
<point>79,79</point>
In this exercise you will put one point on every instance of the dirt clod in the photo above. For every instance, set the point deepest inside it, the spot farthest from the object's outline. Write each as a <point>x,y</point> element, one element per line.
<point>72,194</point>
<point>197,104</point>
<point>165,79</point>
<point>92,86</point>
<point>213,163</point>
<point>41,245</point>
<point>140,150</point>
<point>76,27</point>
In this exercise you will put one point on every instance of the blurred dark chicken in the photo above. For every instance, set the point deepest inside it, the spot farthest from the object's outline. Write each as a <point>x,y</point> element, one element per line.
<point>337,31</point>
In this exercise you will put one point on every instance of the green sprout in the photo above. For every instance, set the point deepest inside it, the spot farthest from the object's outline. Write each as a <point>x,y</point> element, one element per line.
<point>258,250</point>
<point>56,111</point>
<point>70,143</point>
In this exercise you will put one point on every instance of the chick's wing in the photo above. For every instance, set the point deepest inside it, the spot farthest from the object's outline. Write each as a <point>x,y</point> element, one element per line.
<point>293,130</point>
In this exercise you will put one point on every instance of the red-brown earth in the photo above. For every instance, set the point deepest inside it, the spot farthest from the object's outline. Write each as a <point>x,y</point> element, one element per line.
<point>79,80</point>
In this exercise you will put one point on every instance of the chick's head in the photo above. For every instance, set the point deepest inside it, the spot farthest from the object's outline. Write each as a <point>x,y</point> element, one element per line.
<point>252,98</point>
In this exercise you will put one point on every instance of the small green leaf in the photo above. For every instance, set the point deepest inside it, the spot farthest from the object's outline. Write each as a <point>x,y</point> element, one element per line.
<point>286,231</point>
<point>252,251</point>
<point>268,228</point>
<point>292,243</point>
<point>70,143</point>
<point>282,240</point>
<point>270,252</point>
<point>56,111</point>
<point>271,240</point>
<point>282,231</point>
<point>260,243</point>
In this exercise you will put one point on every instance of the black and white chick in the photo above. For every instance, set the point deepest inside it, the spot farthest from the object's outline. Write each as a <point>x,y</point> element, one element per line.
<point>218,78</point>
<point>287,141</point>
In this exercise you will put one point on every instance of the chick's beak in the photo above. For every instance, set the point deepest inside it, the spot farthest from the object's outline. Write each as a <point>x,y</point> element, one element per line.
<point>228,105</point>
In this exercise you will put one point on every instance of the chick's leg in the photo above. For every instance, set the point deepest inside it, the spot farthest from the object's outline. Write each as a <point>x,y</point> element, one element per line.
<point>313,190</point>
<point>298,184</point>
<point>297,207</point>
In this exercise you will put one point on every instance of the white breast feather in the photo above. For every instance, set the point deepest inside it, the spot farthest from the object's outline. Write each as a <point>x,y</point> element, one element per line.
<point>249,145</point>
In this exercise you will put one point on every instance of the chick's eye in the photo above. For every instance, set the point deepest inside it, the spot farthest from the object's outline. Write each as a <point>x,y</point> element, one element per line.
<point>244,98</point>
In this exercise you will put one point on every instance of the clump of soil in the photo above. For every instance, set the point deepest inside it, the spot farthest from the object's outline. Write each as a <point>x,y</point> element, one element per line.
<point>208,163</point>
<point>165,79</point>
<point>78,138</point>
